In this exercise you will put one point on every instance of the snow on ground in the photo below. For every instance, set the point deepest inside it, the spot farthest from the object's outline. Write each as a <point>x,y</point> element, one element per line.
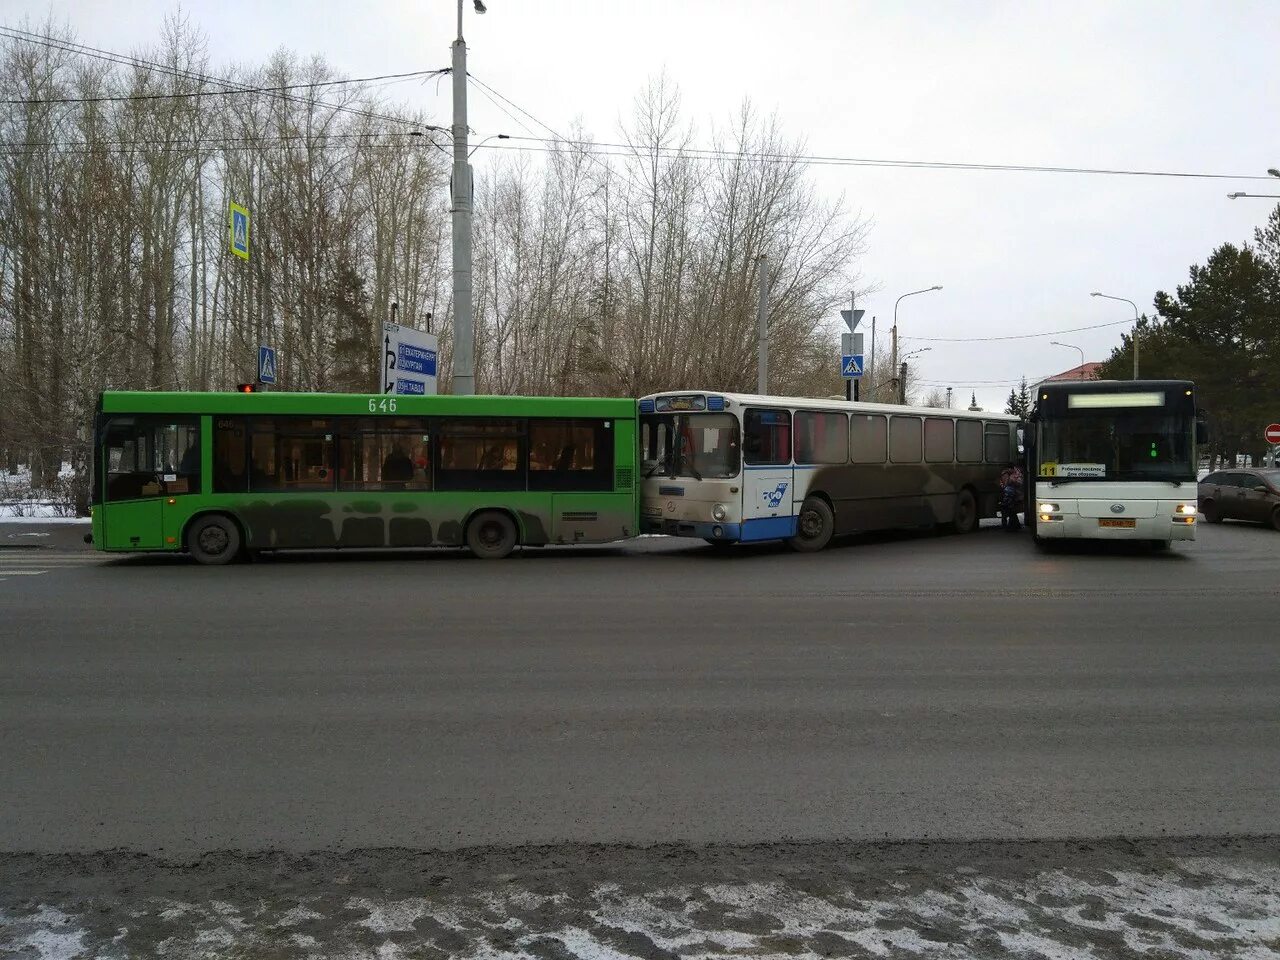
<point>19,501</point>
<point>1195,900</point>
<point>44,513</point>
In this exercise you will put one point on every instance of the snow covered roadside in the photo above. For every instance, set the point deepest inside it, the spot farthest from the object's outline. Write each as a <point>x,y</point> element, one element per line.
<point>1168,899</point>
<point>7,518</point>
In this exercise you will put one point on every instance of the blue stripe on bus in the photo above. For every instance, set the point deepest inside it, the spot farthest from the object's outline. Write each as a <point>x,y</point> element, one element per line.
<point>769,528</point>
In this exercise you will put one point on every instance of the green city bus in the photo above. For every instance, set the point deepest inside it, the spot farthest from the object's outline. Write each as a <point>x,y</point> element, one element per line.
<point>227,475</point>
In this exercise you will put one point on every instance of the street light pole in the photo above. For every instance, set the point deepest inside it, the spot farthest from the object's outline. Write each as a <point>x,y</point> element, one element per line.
<point>1107,296</point>
<point>1071,346</point>
<point>464,364</point>
<point>894,365</point>
<point>762,325</point>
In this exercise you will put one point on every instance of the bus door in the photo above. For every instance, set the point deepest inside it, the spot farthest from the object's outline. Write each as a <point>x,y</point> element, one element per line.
<point>145,464</point>
<point>768,477</point>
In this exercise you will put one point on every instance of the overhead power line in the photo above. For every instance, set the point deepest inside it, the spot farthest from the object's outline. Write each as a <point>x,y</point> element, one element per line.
<point>1018,336</point>
<point>196,94</point>
<point>711,153</point>
<point>111,56</point>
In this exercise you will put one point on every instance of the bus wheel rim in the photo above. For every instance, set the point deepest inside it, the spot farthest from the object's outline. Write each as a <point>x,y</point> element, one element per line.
<point>213,539</point>
<point>810,524</point>
<point>491,533</point>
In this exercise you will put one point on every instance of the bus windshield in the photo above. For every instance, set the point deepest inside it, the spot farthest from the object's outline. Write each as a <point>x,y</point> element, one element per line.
<point>698,445</point>
<point>1119,444</point>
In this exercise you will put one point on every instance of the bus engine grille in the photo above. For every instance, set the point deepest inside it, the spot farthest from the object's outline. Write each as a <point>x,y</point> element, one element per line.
<point>623,478</point>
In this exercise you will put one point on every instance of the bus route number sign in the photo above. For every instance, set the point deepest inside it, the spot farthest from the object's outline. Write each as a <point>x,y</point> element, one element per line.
<point>382,404</point>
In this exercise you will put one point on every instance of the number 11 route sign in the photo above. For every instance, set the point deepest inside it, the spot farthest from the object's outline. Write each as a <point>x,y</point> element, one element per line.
<point>239,226</point>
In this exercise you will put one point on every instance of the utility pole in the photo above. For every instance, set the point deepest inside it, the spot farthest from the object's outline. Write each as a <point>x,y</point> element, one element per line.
<point>851,385</point>
<point>464,374</point>
<point>948,398</point>
<point>871,363</point>
<point>902,383</point>
<point>762,326</point>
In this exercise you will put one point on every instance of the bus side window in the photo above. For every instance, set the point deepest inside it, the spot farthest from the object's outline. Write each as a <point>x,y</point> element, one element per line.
<point>767,436</point>
<point>969,441</point>
<point>904,439</point>
<point>869,437</point>
<point>999,443</point>
<point>939,440</point>
<point>230,456</point>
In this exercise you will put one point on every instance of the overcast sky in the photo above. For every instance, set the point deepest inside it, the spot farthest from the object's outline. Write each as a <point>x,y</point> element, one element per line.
<point>1176,86</point>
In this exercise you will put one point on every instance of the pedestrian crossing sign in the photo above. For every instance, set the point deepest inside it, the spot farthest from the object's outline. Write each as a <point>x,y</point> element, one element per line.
<point>239,224</point>
<point>851,365</point>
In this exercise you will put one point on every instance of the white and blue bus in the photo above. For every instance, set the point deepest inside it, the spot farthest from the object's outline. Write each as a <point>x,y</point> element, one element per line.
<point>1114,460</point>
<point>730,467</point>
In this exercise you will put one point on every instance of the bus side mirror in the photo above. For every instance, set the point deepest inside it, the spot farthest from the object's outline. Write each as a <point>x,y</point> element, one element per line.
<point>1202,432</point>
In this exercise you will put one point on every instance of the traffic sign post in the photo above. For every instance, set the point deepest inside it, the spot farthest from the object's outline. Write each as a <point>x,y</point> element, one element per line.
<point>409,359</point>
<point>238,224</point>
<point>267,365</point>
<point>851,365</point>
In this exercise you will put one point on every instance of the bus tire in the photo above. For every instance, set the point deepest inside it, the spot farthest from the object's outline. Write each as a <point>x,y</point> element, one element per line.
<point>814,526</point>
<point>965,519</point>
<point>213,539</point>
<point>492,535</point>
<point>1211,512</point>
<point>1160,546</point>
<point>1275,519</point>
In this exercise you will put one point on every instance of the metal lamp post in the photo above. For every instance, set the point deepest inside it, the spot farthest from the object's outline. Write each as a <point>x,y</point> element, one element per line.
<point>1107,296</point>
<point>895,319</point>
<point>1071,346</point>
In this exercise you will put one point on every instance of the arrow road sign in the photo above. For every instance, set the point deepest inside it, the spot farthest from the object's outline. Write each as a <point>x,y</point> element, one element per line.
<point>852,318</point>
<point>409,360</point>
<point>851,366</point>
<point>266,364</point>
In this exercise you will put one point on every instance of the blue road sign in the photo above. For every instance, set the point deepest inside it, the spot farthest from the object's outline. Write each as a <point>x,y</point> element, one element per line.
<point>266,364</point>
<point>413,359</point>
<point>851,366</point>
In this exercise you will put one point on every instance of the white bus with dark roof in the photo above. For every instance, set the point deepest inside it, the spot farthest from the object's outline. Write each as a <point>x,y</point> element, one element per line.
<point>1113,460</point>
<point>728,467</point>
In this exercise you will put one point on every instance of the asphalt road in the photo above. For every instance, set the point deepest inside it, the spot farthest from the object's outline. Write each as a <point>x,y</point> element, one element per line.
<point>899,687</point>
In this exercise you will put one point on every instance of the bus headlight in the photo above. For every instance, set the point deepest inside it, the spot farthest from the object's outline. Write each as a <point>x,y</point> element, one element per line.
<point>1187,509</point>
<point>718,512</point>
<point>1048,507</point>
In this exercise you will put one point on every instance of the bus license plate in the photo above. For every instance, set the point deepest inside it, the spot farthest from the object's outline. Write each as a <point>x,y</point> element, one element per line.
<point>1126,524</point>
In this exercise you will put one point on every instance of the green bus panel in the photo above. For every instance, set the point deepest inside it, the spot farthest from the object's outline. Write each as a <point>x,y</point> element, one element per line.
<point>365,519</point>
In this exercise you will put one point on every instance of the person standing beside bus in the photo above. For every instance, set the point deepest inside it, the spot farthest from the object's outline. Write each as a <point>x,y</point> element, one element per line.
<point>1010,497</point>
